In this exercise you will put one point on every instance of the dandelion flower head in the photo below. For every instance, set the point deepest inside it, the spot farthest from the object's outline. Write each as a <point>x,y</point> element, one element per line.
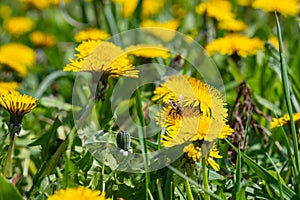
<point>195,114</point>
<point>10,86</point>
<point>287,7</point>
<point>282,121</point>
<point>18,25</point>
<point>218,9</point>
<point>149,7</point>
<point>17,105</point>
<point>41,39</point>
<point>162,30</point>
<point>232,25</point>
<point>17,57</point>
<point>97,56</point>
<point>91,34</point>
<point>148,51</point>
<point>79,193</point>
<point>231,44</point>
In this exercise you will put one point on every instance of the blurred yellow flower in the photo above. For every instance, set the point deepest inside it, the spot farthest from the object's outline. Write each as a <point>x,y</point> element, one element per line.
<point>194,114</point>
<point>39,4</point>
<point>79,193</point>
<point>97,56</point>
<point>171,24</point>
<point>278,122</point>
<point>5,11</point>
<point>18,25</point>
<point>194,153</point>
<point>245,2</point>
<point>274,41</point>
<point>149,7</point>
<point>91,34</point>
<point>10,86</point>
<point>287,7</point>
<point>162,30</point>
<point>148,51</point>
<point>152,7</point>
<point>231,44</point>
<point>17,105</point>
<point>232,25</point>
<point>217,9</point>
<point>178,10</point>
<point>128,6</point>
<point>41,39</point>
<point>25,57</point>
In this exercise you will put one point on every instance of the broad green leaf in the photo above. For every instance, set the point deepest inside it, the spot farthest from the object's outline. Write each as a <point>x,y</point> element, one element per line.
<point>8,191</point>
<point>52,102</point>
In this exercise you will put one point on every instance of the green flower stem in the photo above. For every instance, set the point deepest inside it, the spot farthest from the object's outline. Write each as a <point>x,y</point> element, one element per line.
<point>286,90</point>
<point>188,190</point>
<point>83,12</point>
<point>7,163</point>
<point>205,178</point>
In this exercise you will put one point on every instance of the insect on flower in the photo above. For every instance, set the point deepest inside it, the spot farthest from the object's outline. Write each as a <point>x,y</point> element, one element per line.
<point>176,109</point>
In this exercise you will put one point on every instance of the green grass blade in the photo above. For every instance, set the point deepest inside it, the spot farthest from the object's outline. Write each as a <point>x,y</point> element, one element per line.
<point>179,173</point>
<point>287,92</point>
<point>238,175</point>
<point>265,175</point>
<point>278,177</point>
<point>142,137</point>
<point>48,81</point>
<point>287,96</point>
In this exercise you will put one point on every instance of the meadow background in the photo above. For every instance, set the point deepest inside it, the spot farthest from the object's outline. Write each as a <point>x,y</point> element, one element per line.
<point>260,71</point>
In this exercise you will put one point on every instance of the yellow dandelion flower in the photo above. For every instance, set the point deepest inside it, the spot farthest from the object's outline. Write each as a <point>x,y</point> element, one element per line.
<point>105,57</point>
<point>151,7</point>
<point>148,51</point>
<point>163,30</point>
<point>287,7</point>
<point>10,86</point>
<point>17,105</point>
<point>4,91</point>
<point>171,24</point>
<point>39,4</point>
<point>196,112</point>
<point>86,47</point>
<point>218,9</point>
<point>245,2</point>
<point>274,41</point>
<point>231,44</point>
<point>5,11</point>
<point>18,25</point>
<point>214,153</point>
<point>91,34</point>
<point>232,25</point>
<point>195,115</point>
<point>79,193</point>
<point>192,92</point>
<point>128,6</point>
<point>278,122</point>
<point>194,153</point>
<point>26,57</point>
<point>42,39</point>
